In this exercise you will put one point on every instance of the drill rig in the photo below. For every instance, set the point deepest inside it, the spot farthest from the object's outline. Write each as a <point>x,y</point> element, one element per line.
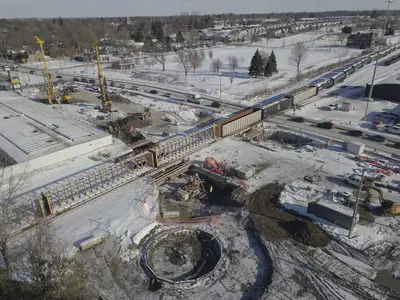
<point>387,206</point>
<point>106,101</point>
<point>53,95</point>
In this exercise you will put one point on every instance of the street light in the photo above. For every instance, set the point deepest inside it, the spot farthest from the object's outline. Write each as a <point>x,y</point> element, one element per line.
<point>371,88</point>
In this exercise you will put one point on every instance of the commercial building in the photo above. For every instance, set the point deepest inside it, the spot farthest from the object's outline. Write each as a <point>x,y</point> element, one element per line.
<point>361,40</point>
<point>123,64</point>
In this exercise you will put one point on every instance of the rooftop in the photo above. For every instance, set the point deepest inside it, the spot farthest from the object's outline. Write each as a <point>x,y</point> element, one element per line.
<point>30,130</point>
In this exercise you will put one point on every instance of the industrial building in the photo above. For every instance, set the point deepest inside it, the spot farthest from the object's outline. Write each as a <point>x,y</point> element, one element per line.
<point>38,135</point>
<point>385,89</point>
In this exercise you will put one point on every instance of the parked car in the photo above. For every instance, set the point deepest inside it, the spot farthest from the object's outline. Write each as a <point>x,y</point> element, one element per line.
<point>354,179</point>
<point>168,95</point>
<point>92,81</point>
<point>132,94</point>
<point>216,104</point>
<point>31,72</point>
<point>333,106</point>
<point>59,76</point>
<point>392,129</point>
<point>397,145</point>
<point>356,133</point>
<point>84,80</point>
<point>326,125</point>
<point>121,86</point>
<point>377,138</point>
<point>76,79</point>
<point>153,92</point>
<point>112,83</point>
<point>298,119</point>
<point>135,88</point>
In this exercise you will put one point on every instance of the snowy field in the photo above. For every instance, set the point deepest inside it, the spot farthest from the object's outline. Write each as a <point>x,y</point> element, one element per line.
<point>26,78</point>
<point>323,49</point>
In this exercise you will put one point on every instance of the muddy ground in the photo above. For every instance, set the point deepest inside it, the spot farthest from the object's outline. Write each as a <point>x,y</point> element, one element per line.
<point>5,159</point>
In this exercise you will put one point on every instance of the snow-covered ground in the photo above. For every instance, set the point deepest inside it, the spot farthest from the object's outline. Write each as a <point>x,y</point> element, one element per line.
<point>54,64</point>
<point>323,49</point>
<point>26,78</point>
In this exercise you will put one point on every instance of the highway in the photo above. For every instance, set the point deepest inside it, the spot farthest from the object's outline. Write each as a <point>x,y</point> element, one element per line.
<point>335,134</point>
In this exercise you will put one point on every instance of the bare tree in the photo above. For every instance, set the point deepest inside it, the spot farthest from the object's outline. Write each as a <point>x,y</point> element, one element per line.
<point>149,61</point>
<point>137,61</point>
<point>202,54</point>
<point>216,65</point>
<point>233,62</point>
<point>254,39</point>
<point>196,59</point>
<point>298,55</point>
<point>159,56</point>
<point>210,54</point>
<point>184,58</point>
<point>51,273</point>
<point>241,59</point>
<point>10,182</point>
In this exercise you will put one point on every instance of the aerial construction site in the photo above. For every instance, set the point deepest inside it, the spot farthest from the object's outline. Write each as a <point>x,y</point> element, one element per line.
<point>167,190</point>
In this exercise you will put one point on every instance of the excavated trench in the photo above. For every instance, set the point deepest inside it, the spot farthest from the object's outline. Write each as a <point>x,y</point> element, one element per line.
<point>181,256</point>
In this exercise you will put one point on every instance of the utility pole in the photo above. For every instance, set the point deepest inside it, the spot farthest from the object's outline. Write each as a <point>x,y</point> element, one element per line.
<point>220,86</point>
<point>356,204</point>
<point>371,88</point>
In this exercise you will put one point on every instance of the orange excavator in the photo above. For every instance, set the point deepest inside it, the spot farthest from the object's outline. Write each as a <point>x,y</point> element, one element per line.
<point>214,166</point>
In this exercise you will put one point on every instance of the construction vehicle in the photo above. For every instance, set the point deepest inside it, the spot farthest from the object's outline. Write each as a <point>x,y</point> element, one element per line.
<point>214,166</point>
<point>106,101</point>
<point>193,189</point>
<point>51,91</point>
<point>146,113</point>
<point>387,206</point>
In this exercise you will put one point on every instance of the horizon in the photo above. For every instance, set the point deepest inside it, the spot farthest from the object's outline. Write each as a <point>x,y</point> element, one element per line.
<point>74,9</point>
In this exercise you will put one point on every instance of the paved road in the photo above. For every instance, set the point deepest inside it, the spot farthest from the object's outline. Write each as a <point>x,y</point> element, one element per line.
<point>337,134</point>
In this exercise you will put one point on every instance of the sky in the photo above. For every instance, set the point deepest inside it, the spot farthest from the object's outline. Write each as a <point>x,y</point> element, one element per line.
<point>113,8</point>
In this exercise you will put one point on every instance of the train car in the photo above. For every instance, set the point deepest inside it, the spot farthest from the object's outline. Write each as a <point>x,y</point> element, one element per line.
<point>339,77</point>
<point>276,107</point>
<point>271,99</point>
<point>349,69</point>
<point>339,70</point>
<point>319,84</point>
<point>367,60</point>
<point>231,118</point>
<point>241,123</point>
<point>304,93</point>
<point>374,56</point>
<point>358,64</point>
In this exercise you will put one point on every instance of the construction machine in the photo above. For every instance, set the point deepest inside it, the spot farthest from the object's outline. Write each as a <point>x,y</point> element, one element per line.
<point>214,166</point>
<point>387,206</point>
<point>146,113</point>
<point>193,189</point>
<point>106,101</point>
<point>52,95</point>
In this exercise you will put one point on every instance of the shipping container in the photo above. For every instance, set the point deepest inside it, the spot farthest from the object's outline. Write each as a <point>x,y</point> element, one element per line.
<point>240,124</point>
<point>277,107</point>
<point>304,94</point>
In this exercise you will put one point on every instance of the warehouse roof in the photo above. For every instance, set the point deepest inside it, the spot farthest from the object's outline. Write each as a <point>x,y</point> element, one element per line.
<point>29,129</point>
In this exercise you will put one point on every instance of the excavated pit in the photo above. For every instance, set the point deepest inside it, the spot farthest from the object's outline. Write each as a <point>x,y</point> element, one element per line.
<point>181,256</point>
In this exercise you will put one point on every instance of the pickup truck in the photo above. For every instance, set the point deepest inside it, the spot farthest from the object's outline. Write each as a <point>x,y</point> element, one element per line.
<point>392,129</point>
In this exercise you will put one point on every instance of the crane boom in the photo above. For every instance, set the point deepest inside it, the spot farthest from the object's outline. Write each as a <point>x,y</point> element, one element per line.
<point>105,98</point>
<point>51,94</point>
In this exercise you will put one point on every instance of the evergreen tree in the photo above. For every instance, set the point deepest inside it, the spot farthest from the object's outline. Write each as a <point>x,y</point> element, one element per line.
<point>256,65</point>
<point>272,57</point>
<point>179,37</point>
<point>269,68</point>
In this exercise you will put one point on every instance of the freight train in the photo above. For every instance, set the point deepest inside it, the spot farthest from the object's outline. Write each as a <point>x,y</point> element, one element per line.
<point>239,121</point>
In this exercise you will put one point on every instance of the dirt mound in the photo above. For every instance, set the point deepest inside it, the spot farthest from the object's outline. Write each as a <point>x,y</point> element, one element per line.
<point>307,232</point>
<point>122,128</point>
<point>277,224</point>
<point>117,98</point>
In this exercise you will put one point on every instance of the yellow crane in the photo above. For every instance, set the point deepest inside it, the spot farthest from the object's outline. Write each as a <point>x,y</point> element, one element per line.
<point>106,101</point>
<point>52,93</point>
